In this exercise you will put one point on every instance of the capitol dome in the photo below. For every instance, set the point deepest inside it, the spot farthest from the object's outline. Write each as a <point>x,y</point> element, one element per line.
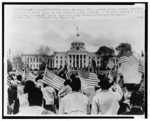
<point>77,43</point>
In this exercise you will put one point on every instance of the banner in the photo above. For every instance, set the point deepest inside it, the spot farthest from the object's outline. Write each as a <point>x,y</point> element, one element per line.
<point>53,80</point>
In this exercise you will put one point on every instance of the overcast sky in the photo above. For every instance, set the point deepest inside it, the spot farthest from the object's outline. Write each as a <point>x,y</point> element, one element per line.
<point>27,35</point>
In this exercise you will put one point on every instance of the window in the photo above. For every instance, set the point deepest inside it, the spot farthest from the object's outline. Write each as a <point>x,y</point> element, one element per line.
<point>61,61</point>
<point>37,60</point>
<point>61,57</point>
<point>56,57</point>
<point>70,61</point>
<point>97,57</point>
<point>56,61</point>
<point>31,59</point>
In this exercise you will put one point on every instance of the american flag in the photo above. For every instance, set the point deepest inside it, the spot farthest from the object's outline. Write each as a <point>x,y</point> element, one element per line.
<point>68,72</point>
<point>141,66</point>
<point>53,80</point>
<point>123,59</point>
<point>19,71</point>
<point>31,76</point>
<point>133,59</point>
<point>88,79</point>
<point>93,80</point>
<point>26,72</point>
<point>9,81</point>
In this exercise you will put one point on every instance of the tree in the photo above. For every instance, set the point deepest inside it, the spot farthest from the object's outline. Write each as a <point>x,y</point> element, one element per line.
<point>105,53</point>
<point>124,48</point>
<point>17,60</point>
<point>44,52</point>
<point>9,66</point>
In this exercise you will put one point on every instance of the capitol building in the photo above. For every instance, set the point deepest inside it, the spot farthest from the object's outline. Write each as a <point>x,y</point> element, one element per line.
<point>76,57</point>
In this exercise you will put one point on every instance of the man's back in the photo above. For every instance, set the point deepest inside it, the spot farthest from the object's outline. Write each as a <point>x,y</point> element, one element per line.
<point>134,111</point>
<point>105,103</point>
<point>74,102</point>
<point>34,110</point>
<point>49,95</point>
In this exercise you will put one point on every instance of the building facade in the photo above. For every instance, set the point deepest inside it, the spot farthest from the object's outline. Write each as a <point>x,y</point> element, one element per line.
<point>76,57</point>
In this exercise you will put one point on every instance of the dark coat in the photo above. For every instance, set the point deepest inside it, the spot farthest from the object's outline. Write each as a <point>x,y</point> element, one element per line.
<point>134,111</point>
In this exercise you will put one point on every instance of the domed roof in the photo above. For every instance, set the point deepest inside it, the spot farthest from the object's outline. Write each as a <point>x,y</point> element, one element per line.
<point>77,43</point>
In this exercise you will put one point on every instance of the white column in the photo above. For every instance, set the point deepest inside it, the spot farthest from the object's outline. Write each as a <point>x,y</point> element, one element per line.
<point>75,60</point>
<point>68,60</point>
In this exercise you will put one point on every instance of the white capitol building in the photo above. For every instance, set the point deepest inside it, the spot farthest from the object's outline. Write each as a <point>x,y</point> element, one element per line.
<point>77,57</point>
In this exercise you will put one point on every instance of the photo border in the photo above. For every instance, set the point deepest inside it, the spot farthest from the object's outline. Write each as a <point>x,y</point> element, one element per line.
<point>77,3</point>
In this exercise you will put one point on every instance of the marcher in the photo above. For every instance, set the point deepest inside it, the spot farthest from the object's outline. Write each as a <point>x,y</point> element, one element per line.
<point>106,102</point>
<point>35,99</point>
<point>22,101</point>
<point>136,102</point>
<point>49,95</point>
<point>74,103</point>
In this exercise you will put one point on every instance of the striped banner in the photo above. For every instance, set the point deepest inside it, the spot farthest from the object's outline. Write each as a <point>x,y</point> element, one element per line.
<point>141,66</point>
<point>123,59</point>
<point>53,80</point>
<point>133,59</point>
<point>88,79</point>
<point>84,77</point>
<point>9,81</point>
<point>93,80</point>
<point>31,76</point>
<point>68,72</point>
<point>19,71</point>
<point>26,72</point>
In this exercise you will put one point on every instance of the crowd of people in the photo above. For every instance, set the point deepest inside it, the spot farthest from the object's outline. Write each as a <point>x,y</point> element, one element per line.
<point>110,97</point>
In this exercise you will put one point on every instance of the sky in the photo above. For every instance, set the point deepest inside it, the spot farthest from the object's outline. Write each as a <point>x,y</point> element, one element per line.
<point>24,35</point>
